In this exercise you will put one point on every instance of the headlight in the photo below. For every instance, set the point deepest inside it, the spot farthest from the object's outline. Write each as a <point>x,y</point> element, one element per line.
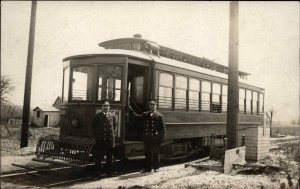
<point>75,122</point>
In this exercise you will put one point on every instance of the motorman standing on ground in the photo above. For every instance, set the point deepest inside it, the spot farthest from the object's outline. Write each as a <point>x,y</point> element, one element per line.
<point>104,127</point>
<point>154,133</point>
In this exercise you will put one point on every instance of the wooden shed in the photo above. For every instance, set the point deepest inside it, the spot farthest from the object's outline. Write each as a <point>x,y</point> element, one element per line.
<point>47,116</point>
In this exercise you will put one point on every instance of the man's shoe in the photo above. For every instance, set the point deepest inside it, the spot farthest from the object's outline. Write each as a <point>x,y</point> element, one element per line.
<point>98,175</point>
<point>145,171</point>
<point>156,170</point>
<point>110,174</point>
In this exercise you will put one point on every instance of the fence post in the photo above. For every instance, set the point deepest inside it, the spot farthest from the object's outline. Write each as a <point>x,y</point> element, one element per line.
<point>243,140</point>
<point>225,148</point>
<point>225,144</point>
<point>212,145</point>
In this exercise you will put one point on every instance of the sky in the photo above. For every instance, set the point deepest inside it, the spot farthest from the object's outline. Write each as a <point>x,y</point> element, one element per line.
<point>268,41</point>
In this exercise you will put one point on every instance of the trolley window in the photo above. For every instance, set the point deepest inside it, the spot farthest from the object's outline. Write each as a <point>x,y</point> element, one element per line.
<point>205,95</point>
<point>248,101</point>
<point>66,84</point>
<point>194,89</point>
<point>224,98</point>
<point>255,102</point>
<point>165,90</point>
<point>109,82</point>
<point>216,98</point>
<point>242,100</point>
<point>180,92</point>
<point>82,83</point>
<point>261,103</point>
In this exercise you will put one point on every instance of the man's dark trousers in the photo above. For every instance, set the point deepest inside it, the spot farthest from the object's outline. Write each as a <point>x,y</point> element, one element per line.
<point>151,147</point>
<point>103,149</point>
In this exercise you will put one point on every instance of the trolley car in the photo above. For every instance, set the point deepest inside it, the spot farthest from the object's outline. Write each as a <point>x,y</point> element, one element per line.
<point>191,93</point>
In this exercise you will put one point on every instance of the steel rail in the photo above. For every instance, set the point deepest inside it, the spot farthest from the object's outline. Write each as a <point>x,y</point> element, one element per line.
<point>67,182</point>
<point>32,171</point>
<point>16,174</point>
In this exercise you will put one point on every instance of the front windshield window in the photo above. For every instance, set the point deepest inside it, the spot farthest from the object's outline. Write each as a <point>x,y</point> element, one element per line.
<point>82,83</point>
<point>66,84</point>
<point>109,82</point>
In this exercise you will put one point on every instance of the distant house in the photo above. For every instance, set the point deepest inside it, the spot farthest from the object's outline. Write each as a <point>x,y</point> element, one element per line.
<point>47,116</point>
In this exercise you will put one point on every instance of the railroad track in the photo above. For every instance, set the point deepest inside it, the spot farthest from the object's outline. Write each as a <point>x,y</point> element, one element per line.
<point>51,178</point>
<point>15,173</point>
<point>67,176</point>
<point>58,176</point>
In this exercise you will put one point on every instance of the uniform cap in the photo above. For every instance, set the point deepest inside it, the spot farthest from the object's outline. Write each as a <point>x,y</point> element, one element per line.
<point>106,103</point>
<point>152,102</point>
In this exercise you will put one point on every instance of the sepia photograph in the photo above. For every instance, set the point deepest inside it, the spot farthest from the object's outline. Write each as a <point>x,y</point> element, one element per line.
<point>150,94</point>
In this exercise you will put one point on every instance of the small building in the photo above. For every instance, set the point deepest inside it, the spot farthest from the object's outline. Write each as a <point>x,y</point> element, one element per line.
<point>47,116</point>
<point>257,141</point>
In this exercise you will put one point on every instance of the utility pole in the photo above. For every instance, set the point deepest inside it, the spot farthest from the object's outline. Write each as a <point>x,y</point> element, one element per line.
<point>27,91</point>
<point>233,89</point>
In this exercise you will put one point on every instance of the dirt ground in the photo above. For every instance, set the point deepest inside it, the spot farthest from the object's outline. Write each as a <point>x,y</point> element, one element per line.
<point>10,139</point>
<point>286,156</point>
<point>177,176</point>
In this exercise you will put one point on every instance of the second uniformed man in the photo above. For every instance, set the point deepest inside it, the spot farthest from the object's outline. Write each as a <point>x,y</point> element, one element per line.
<point>154,133</point>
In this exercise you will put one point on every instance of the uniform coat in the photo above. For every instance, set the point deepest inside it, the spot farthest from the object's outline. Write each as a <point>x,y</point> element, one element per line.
<point>154,133</point>
<point>154,129</point>
<point>104,127</point>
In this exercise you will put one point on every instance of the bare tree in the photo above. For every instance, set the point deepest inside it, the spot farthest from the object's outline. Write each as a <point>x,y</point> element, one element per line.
<point>270,113</point>
<point>7,110</point>
<point>6,114</point>
<point>10,113</point>
<point>5,87</point>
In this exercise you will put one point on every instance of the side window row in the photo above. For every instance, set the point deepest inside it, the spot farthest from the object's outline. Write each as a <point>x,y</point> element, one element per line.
<point>188,93</point>
<point>250,101</point>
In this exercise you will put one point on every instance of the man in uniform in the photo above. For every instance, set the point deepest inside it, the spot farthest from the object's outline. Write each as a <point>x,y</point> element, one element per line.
<point>103,127</point>
<point>154,133</point>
